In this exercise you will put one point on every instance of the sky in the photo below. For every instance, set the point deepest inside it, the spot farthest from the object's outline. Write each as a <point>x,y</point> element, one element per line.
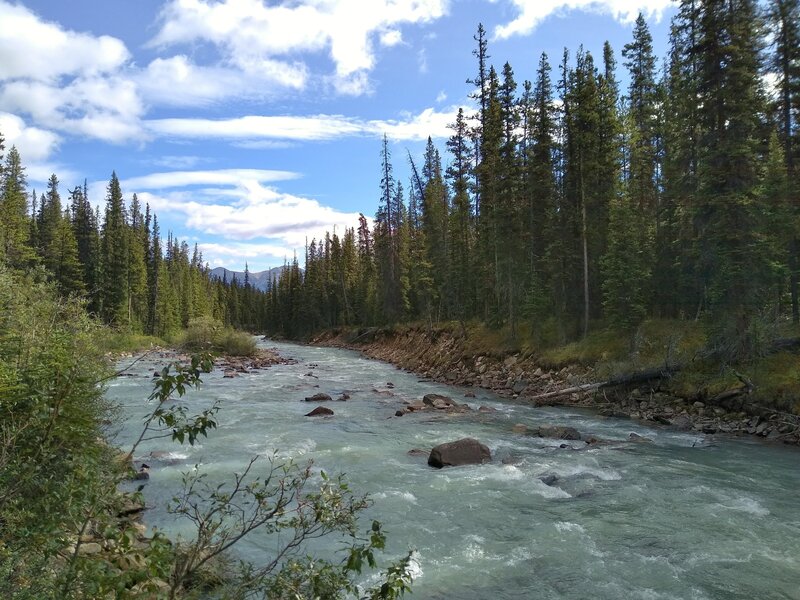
<point>251,126</point>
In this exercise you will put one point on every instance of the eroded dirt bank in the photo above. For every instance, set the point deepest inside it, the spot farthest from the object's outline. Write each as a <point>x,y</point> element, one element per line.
<point>446,357</point>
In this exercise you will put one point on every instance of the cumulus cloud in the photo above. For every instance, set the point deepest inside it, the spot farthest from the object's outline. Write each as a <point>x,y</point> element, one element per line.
<point>249,211</point>
<point>429,122</point>
<point>238,205</point>
<point>33,48</point>
<point>533,12</point>
<point>34,144</point>
<point>65,80</point>
<point>257,37</point>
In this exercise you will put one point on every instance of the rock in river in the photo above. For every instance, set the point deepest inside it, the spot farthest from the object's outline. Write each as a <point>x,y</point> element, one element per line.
<point>437,400</point>
<point>558,432</point>
<point>320,411</point>
<point>318,397</point>
<point>466,451</point>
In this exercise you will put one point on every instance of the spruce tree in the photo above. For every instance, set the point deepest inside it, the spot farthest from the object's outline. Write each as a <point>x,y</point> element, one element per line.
<point>783,16</point>
<point>114,257</point>
<point>15,245</point>
<point>460,222</point>
<point>728,213</point>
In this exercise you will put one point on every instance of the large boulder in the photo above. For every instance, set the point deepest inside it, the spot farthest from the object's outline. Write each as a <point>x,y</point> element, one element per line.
<point>466,451</point>
<point>559,432</point>
<point>320,411</point>
<point>318,397</point>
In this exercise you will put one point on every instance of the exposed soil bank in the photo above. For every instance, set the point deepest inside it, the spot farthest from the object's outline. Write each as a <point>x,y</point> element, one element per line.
<point>443,356</point>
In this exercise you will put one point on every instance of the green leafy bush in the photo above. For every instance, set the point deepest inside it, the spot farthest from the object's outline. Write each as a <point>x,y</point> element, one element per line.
<point>205,334</point>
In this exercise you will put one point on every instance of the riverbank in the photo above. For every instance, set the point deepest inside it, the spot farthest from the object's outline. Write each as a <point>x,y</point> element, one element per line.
<point>449,356</point>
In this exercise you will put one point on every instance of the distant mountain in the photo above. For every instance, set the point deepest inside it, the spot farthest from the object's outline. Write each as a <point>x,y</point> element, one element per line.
<point>259,279</point>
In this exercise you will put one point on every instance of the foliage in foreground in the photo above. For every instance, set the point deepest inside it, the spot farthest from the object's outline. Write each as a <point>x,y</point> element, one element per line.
<point>60,534</point>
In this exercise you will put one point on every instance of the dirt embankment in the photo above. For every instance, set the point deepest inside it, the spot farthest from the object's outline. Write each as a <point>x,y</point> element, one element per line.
<point>446,357</point>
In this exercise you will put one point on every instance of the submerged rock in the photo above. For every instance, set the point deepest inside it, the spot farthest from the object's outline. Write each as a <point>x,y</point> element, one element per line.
<point>520,428</point>
<point>486,409</point>
<point>635,437</point>
<point>466,451</point>
<point>549,479</point>
<point>437,400</point>
<point>320,411</point>
<point>559,432</point>
<point>318,397</point>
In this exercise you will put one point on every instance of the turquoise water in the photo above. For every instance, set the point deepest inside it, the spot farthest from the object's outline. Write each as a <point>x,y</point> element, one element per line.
<point>683,517</point>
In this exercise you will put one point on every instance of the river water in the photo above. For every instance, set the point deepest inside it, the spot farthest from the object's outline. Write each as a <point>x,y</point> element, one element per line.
<point>683,517</point>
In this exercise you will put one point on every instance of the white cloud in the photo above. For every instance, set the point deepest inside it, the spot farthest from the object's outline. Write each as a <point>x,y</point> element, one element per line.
<point>65,80</point>
<point>250,211</point>
<point>34,144</point>
<point>264,144</point>
<point>221,177</point>
<point>180,161</point>
<point>33,48</point>
<point>391,37</point>
<point>441,97</point>
<point>38,173</point>
<point>429,122</point>
<point>533,12</point>
<point>255,36</point>
<point>177,81</point>
<point>315,127</point>
<point>238,253</point>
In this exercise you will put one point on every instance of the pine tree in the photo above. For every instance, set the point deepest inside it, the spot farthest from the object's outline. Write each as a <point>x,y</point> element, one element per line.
<point>435,212</point>
<point>460,222</point>
<point>137,266</point>
<point>15,245</point>
<point>784,18</point>
<point>87,238</point>
<point>728,213</point>
<point>57,246</point>
<point>541,193</point>
<point>387,223</point>
<point>114,257</point>
<point>676,274</point>
<point>632,228</point>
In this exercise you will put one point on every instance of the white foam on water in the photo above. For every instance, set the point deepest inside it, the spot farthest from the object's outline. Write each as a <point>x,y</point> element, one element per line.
<point>546,491</point>
<point>744,504</point>
<point>292,450</point>
<point>175,456</point>
<point>563,526</point>
<point>415,565</point>
<point>473,553</point>
<point>518,555</point>
<point>407,496</point>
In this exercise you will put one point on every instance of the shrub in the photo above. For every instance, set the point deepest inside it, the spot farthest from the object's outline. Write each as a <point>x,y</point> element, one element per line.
<point>206,334</point>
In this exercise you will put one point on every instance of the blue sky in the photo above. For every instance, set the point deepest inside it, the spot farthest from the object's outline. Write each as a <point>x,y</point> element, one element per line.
<point>253,125</point>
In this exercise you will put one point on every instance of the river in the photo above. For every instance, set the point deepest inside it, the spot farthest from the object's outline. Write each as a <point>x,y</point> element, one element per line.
<point>683,517</point>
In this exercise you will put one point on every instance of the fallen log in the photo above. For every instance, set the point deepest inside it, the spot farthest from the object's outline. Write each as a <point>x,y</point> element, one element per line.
<point>631,378</point>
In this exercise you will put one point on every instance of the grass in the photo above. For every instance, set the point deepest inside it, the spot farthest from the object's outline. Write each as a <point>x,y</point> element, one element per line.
<point>117,342</point>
